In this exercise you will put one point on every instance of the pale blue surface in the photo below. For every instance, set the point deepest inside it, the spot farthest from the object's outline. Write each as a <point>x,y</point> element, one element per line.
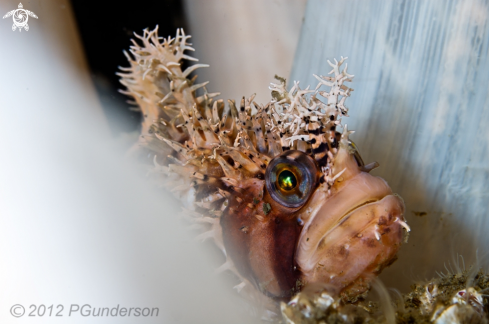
<point>420,108</point>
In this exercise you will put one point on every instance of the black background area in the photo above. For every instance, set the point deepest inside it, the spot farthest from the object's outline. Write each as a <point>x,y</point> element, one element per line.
<point>106,28</point>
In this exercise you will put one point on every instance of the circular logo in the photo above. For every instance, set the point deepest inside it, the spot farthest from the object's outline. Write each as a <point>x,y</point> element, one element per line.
<point>17,310</point>
<point>20,18</point>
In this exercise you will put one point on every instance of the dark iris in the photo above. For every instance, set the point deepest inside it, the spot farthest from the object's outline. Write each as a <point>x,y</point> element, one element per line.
<point>287,180</point>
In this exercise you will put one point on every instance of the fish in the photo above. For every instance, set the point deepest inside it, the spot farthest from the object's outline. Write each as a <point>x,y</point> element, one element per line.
<point>281,191</point>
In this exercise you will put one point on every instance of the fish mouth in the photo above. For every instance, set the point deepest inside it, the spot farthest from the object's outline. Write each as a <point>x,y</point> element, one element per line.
<point>333,214</point>
<point>357,246</point>
<point>345,216</point>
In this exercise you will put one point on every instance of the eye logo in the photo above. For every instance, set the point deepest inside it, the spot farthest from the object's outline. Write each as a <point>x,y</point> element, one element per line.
<point>20,17</point>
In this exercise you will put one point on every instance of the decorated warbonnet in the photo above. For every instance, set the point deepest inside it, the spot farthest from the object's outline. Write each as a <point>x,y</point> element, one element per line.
<point>283,193</point>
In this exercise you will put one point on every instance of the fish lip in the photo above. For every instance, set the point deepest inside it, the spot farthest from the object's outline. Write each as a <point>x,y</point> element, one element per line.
<point>347,215</point>
<point>344,217</point>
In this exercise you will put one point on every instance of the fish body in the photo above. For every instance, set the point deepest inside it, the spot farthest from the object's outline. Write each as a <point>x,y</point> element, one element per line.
<point>283,194</point>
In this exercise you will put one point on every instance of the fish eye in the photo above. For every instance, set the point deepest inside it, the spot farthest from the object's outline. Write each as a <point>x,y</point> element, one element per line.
<point>291,178</point>
<point>287,180</point>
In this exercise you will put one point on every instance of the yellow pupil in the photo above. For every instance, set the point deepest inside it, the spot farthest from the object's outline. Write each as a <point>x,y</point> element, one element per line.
<point>287,180</point>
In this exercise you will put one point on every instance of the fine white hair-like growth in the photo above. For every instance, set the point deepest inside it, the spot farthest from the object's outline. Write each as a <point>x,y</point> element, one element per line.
<point>198,126</point>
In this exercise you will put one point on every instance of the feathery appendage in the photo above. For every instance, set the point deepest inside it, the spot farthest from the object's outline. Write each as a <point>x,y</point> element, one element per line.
<point>198,127</point>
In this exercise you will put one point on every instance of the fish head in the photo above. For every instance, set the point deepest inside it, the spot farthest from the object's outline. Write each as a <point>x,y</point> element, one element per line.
<point>284,195</point>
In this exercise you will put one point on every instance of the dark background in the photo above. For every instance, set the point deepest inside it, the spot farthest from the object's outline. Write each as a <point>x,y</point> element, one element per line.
<point>106,28</point>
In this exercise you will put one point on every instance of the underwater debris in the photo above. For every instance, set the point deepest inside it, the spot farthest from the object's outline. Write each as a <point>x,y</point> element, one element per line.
<point>453,298</point>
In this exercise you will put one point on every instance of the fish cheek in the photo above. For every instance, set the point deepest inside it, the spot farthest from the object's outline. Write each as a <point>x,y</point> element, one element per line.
<point>261,241</point>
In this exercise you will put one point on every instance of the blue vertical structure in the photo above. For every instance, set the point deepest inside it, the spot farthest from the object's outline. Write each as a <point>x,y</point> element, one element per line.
<point>421,109</point>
